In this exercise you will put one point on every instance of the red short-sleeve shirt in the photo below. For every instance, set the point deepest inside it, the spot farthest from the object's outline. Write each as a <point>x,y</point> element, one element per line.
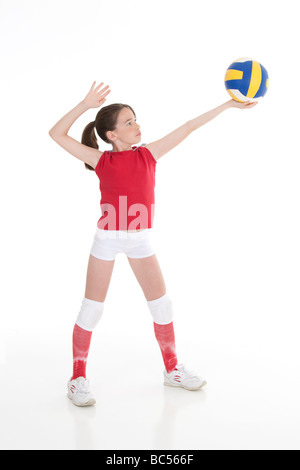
<point>127,182</point>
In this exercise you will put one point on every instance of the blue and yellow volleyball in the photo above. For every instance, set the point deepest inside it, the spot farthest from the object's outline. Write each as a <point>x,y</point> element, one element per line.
<point>246,80</point>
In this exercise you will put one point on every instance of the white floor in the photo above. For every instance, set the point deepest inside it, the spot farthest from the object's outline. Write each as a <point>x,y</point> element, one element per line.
<point>251,400</point>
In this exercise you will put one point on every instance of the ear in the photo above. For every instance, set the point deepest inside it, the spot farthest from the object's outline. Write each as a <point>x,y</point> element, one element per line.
<point>111,136</point>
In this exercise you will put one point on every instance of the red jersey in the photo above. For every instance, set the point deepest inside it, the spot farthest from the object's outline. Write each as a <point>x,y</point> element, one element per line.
<point>127,181</point>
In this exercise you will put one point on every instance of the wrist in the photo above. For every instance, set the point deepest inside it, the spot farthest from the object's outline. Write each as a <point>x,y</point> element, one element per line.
<point>84,105</point>
<point>227,105</point>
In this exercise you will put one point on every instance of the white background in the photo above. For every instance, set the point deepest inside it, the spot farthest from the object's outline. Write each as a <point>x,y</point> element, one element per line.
<point>226,227</point>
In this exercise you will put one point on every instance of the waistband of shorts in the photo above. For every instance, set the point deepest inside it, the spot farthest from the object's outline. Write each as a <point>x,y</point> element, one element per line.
<point>122,234</point>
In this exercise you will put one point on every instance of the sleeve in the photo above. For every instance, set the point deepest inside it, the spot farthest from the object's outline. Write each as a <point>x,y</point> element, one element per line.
<point>100,164</point>
<point>148,154</point>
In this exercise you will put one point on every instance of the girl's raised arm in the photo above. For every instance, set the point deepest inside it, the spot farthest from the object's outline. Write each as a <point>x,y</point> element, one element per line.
<point>59,133</point>
<point>167,143</point>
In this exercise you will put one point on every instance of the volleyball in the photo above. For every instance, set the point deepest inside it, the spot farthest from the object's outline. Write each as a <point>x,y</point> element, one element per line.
<point>246,80</point>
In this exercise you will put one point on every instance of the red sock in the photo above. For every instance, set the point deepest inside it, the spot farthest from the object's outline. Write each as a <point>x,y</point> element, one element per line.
<point>166,340</point>
<point>81,346</point>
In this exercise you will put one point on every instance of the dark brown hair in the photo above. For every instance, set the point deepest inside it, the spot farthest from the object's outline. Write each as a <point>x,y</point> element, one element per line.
<point>106,120</point>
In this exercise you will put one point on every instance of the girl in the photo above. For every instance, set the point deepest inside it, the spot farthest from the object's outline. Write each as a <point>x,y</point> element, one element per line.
<point>127,180</point>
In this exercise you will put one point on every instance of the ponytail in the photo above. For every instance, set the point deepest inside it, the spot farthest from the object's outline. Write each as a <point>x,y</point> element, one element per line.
<point>89,138</point>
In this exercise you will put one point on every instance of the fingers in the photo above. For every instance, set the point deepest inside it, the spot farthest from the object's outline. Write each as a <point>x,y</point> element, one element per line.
<point>245,104</point>
<point>101,93</point>
<point>250,104</point>
<point>99,86</point>
<point>105,94</point>
<point>96,90</point>
<point>104,89</point>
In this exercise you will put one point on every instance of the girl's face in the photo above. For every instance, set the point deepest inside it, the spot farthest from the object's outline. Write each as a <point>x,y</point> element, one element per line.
<point>127,130</point>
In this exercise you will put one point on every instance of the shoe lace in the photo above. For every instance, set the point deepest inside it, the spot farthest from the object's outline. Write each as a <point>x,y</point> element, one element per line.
<point>82,386</point>
<point>186,372</point>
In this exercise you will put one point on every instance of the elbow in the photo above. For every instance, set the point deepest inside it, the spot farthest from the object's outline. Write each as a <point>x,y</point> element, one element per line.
<point>54,135</point>
<point>51,133</point>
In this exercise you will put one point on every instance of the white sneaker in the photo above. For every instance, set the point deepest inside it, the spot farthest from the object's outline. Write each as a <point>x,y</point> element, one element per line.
<point>182,377</point>
<point>79,392</point>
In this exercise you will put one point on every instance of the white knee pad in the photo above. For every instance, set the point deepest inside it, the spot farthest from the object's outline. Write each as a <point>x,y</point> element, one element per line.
<point>161,310</point>
<point>90,314</point>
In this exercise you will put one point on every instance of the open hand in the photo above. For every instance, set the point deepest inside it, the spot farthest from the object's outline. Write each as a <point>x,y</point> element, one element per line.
<point>246,105</point>
<point>96,96</point>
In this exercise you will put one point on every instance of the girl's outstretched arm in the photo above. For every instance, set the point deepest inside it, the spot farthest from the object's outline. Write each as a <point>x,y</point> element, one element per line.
<point>94,99</point>
<point>167,143</point>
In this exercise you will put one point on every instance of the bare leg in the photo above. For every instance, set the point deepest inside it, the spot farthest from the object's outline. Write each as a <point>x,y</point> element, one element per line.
<point>98,278</point>
<point>149,275</point>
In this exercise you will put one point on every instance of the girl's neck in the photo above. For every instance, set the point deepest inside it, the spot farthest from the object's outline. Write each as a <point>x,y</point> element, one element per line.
<point>121,148</point>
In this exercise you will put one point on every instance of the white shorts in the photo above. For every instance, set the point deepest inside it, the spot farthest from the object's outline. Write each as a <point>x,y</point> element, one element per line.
<point>108,243</point>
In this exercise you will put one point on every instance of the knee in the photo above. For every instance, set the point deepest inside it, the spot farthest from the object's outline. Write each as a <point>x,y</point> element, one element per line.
<point>90,314</point>
<point>161,310</point>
